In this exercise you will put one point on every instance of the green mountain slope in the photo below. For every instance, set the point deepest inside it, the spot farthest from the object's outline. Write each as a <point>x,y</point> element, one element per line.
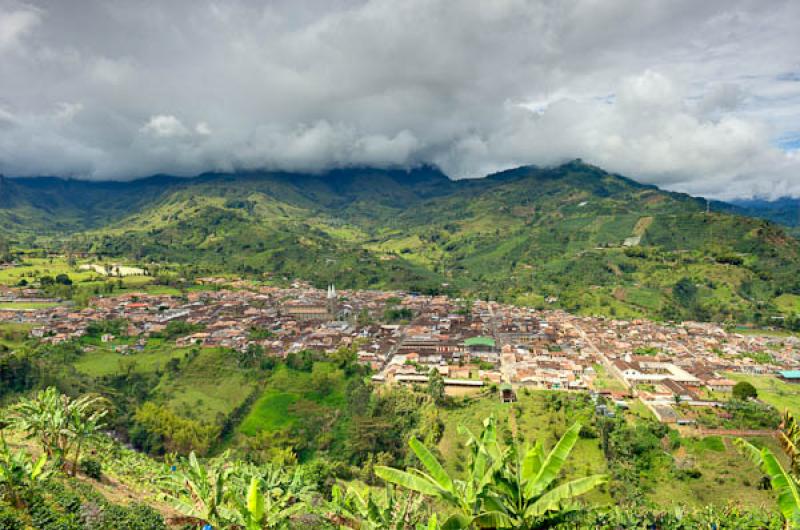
<point>580,237</point>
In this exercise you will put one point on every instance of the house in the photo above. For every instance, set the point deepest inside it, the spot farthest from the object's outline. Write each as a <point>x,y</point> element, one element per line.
<point>791,376</point>
<point>507,394</point>
<point>720,385</point>
<point>478,345</point>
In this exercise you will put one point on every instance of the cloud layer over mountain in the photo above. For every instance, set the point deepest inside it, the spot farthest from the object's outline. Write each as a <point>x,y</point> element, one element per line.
<point>695,96</point>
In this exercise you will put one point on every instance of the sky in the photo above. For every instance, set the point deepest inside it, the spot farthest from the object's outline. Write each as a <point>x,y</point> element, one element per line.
<point>694,96</point>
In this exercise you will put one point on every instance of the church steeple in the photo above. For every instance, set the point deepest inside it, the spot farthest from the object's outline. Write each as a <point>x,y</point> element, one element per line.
<point>332,303</point>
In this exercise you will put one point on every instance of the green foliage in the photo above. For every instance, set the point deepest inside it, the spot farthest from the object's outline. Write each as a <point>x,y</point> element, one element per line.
<point>18,474</point>
<point>436,386</point>
<point>394,314</point>
<point>17,373</point>
<point>59,424</point>
<point>91,468</point>
<point>233,494</point>
<point>630,518</point>
<point>179,328</point>
<point>72,506</point>
<point>158,429</point>
<point>785,485</point>
<point>392,509</point>
<point>744,390</point>
<point>509,487</point>
<point>97,328</point>
<point>521,235</point>
<point>9,519</point>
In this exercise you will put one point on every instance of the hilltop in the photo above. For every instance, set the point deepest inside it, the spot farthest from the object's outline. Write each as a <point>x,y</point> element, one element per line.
<point>573,236</point>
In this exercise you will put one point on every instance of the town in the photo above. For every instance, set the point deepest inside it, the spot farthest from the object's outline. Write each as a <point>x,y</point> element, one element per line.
<point>675,370</point>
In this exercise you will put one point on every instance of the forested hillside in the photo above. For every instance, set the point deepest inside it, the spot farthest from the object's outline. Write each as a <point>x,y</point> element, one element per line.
<point>573,236</point>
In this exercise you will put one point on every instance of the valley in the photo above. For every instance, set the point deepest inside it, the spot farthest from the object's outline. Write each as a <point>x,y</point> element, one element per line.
<point>302,377</point>
<point>308,328</point>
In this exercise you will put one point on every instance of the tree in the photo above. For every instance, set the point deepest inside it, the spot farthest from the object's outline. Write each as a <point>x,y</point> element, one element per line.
<point>60,423</point>
<point>155,425</point>
<point>789,436</point>
<point>322,382</point>
<point>685,292</point>
<point>744,391</point>
<point>228,494</point>
<point>264,507</point>
<point>250,356</point>
<point>345,358</point>
<point>84,424</point>
<point>436,386</point>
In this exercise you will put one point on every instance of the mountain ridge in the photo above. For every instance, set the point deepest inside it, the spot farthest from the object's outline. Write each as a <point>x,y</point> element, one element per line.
<point>595,241</point>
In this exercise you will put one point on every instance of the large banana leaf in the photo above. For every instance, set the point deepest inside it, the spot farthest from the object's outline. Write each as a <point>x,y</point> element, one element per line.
<point>784,485</point>
<point>409,481</point>
<point>255,505</point>
<point>457,522</point>
<point>492,520</point>
<point>555,499</point>
<point>552,464</point>
<point>790,440</point>
<point>532,463</point>
<point>433,466</point>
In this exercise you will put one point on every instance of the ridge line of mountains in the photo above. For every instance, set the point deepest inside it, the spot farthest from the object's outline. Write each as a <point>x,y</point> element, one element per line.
<point>572,236</point>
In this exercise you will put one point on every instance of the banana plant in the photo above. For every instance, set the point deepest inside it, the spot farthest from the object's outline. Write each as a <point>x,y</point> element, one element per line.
<point>789,436</point>
<point>203,491</point>
<point>526,483</point>
<point>251,514</point>
<point>60,423</point>
<point>783,483</point>
<point>473,501</point>
<point>392,511</point>
<point>18,473</point>
<point>276,506</point>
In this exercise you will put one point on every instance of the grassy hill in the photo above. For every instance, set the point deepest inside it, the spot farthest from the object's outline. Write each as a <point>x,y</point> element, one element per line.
<point>592,241</point>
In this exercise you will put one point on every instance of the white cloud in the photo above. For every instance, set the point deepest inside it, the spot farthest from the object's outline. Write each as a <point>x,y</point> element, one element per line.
<point>15,22</point>
<point>202,128</point>
<point>685,94</point>
<point>67,111</point>
<point>164,126</point>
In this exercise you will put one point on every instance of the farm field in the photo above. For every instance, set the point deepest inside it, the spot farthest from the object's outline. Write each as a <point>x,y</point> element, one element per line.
<point>779,394</point>
<point>104,361</point>
<point>19,306</point>
<point>36,267</point>
<point>209,386</point>
<point>14,334</point>
<point>725,476</point>
<point>287,387</point>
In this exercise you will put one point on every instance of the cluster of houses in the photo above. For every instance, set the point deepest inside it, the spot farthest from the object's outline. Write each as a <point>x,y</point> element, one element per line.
<point>469,344</point>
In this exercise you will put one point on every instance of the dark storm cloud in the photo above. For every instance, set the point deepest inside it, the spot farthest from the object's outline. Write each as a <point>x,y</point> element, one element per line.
<point>689,95</point>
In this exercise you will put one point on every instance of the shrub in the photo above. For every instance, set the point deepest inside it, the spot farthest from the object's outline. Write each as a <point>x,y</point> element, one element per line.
<point>136,517</point>
<point>9,520</point>
<point>91,468</point>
